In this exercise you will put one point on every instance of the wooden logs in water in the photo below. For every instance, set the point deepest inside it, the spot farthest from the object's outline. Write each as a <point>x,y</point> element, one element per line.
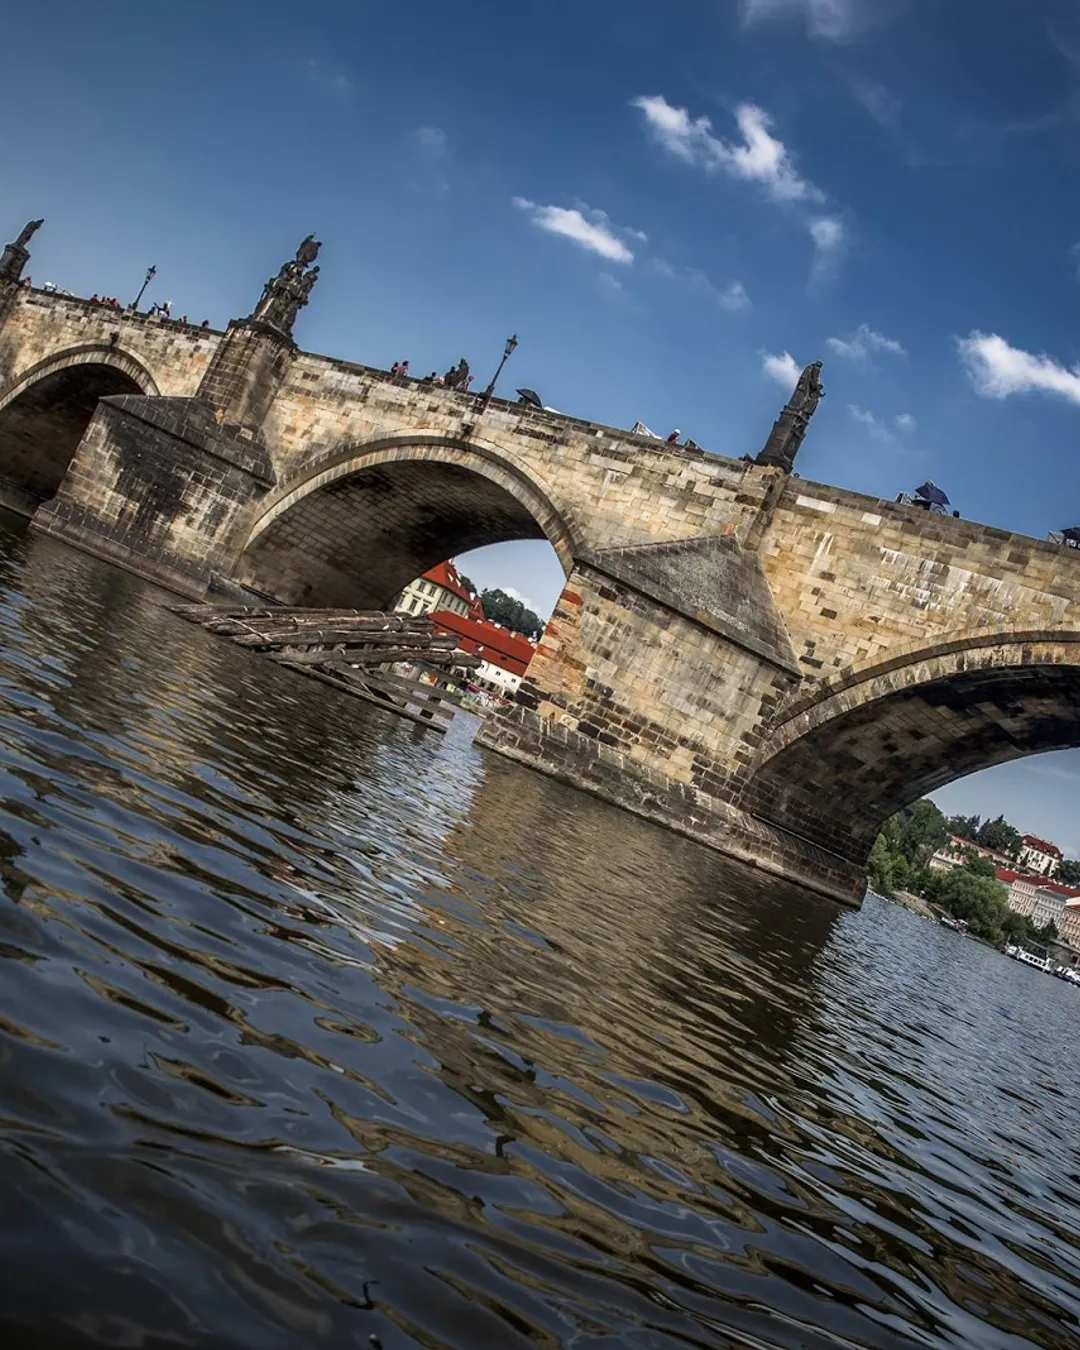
<point>348,648</point>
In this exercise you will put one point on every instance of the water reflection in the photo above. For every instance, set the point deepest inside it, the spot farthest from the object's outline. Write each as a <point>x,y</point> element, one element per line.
<point>313,1030</point>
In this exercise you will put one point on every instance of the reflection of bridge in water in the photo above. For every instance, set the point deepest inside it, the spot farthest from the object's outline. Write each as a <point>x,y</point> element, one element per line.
<point>767,664</point>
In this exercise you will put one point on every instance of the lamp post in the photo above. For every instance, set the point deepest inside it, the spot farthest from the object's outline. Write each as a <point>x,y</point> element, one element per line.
<point>150,275</point>
<point>508,351</point>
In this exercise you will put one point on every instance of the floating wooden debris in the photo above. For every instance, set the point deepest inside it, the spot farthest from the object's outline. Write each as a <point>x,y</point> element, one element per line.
<point>349,649</point>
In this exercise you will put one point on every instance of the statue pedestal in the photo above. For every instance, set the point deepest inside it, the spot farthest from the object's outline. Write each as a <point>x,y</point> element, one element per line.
<point>12,261</point>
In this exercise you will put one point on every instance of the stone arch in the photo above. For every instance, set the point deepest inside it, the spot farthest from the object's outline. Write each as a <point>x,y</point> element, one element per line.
<point>846,754</point>
<point>358,524</point>
<point>44,414</point>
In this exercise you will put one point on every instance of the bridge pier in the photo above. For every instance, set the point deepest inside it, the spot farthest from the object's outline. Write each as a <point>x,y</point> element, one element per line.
<point>651,689</point>
<point>158,486</point>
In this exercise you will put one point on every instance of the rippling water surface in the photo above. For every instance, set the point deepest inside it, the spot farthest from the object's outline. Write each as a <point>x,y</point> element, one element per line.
<point>314,1030</point>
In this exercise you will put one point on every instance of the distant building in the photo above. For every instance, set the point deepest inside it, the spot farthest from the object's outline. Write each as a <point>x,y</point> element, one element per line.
<point>504,655</point>
<point>440,588</point>
<point>1038,855</point>
<point>957,851</point>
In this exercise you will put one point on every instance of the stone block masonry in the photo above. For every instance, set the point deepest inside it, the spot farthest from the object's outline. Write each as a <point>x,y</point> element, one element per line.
<point>158,486</point>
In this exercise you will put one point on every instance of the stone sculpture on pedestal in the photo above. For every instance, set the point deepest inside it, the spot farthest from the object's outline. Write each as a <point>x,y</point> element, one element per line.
<point>286,294</point>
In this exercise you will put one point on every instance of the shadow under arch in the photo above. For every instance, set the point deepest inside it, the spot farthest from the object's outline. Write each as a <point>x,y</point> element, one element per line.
<point>358,524</point>
<point>44,414</point>
<point>846,755</point>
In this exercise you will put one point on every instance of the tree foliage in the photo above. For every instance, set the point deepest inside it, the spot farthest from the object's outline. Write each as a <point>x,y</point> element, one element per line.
<point>964,827</point>
<point>508,611</point>
<point>1000,836</point>
<point>1068,872</point>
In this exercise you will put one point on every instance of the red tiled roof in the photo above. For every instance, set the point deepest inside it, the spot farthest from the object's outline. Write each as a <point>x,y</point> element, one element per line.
<point>1058,889</point>
<point>1033,841</point>
<point>445,574</point>
<point>510,651</point>
<point>1007,875</point>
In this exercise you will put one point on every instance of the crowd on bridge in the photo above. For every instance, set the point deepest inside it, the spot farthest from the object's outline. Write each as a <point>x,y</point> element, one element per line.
<point>457,377</point>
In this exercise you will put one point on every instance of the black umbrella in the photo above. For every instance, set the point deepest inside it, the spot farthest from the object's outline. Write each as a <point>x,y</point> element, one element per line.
<point>530,396</point>
<point>930,492</point>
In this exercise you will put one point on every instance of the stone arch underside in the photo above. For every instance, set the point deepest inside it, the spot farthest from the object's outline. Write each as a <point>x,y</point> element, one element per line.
<point>359,538</point>
<point>44,415</point>
<point>838,769</point>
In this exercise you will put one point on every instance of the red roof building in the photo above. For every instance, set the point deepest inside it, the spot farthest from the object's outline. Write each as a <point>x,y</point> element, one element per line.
<point>439,588</point>
<point>492,643</point>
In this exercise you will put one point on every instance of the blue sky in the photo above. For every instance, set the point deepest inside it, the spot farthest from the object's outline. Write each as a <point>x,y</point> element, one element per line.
<point>670,204</point>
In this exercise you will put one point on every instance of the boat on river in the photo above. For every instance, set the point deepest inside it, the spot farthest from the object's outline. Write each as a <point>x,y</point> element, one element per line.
<point>1027,958</point>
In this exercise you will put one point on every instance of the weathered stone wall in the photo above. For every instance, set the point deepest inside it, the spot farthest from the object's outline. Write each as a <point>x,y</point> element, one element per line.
<point>859,580</point>
<point>665,693</point>
<point>159,487</point>
<point>40,328</point>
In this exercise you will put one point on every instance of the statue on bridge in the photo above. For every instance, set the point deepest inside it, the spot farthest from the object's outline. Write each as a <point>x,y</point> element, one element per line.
<point>790,427</point>
<point>285,295</point>
<point>28,231</point>
<point>16,255</point>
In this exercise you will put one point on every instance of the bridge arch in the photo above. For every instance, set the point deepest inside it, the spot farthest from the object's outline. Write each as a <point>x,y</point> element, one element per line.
<point>44,414</point>
<point>358,524</point>
<point>845,755</point>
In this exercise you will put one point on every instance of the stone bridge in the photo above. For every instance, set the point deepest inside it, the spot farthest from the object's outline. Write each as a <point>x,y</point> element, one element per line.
<point>769,665</point>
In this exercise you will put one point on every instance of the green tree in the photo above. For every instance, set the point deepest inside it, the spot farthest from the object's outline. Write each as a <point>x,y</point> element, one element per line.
<point>999,835</point>
<point>508,611</point>
<point>979,900</point>
<point>1069,872</point>
<point>964,827</point>
<point>1047,933</point>
<point>922,832</point>
<point>467,583</point>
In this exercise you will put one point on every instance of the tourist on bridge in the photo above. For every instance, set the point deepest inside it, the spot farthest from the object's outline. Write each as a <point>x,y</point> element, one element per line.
<point>673,439</point>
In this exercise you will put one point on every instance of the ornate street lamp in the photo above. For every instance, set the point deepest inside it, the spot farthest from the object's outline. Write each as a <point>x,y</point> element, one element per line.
<point>508,351</point>
<point>150,275</point>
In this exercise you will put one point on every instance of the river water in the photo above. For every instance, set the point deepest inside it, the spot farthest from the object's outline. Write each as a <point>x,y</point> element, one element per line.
<point>317,1031</point>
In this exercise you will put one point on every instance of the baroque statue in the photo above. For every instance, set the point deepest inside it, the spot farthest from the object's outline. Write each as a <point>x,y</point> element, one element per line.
<point>285,295</point>
<point>16,255</point>
<point>790,427</point>
<point>28,231</point>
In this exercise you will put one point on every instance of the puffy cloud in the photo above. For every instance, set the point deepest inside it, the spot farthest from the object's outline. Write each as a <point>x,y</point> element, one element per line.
<point>758,158</point>
<point>587,228</point>
<point>997,369</point>
<point>882,429</point>
<point>833,20</point>
<point>784,369</point>
<point>830,238</point>
<point>862,342</point>
<point>734,297</point>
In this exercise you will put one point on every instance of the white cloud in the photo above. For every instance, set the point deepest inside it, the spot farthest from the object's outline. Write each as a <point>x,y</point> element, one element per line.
<point>874,427</point>
<point>758,158</point>
<point>830,19</point>
<point>734,297</point>
<point>517,595</point>
<point>587,228</point>
<point>611,288</point>
<point>327,81</point>
<point>997,370</point>
<point>829,238</point>
<point>882,429</point>
<point>662,268</point>
<point>432,139</point>
<point>784,369</point>
<point>862,342</point>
